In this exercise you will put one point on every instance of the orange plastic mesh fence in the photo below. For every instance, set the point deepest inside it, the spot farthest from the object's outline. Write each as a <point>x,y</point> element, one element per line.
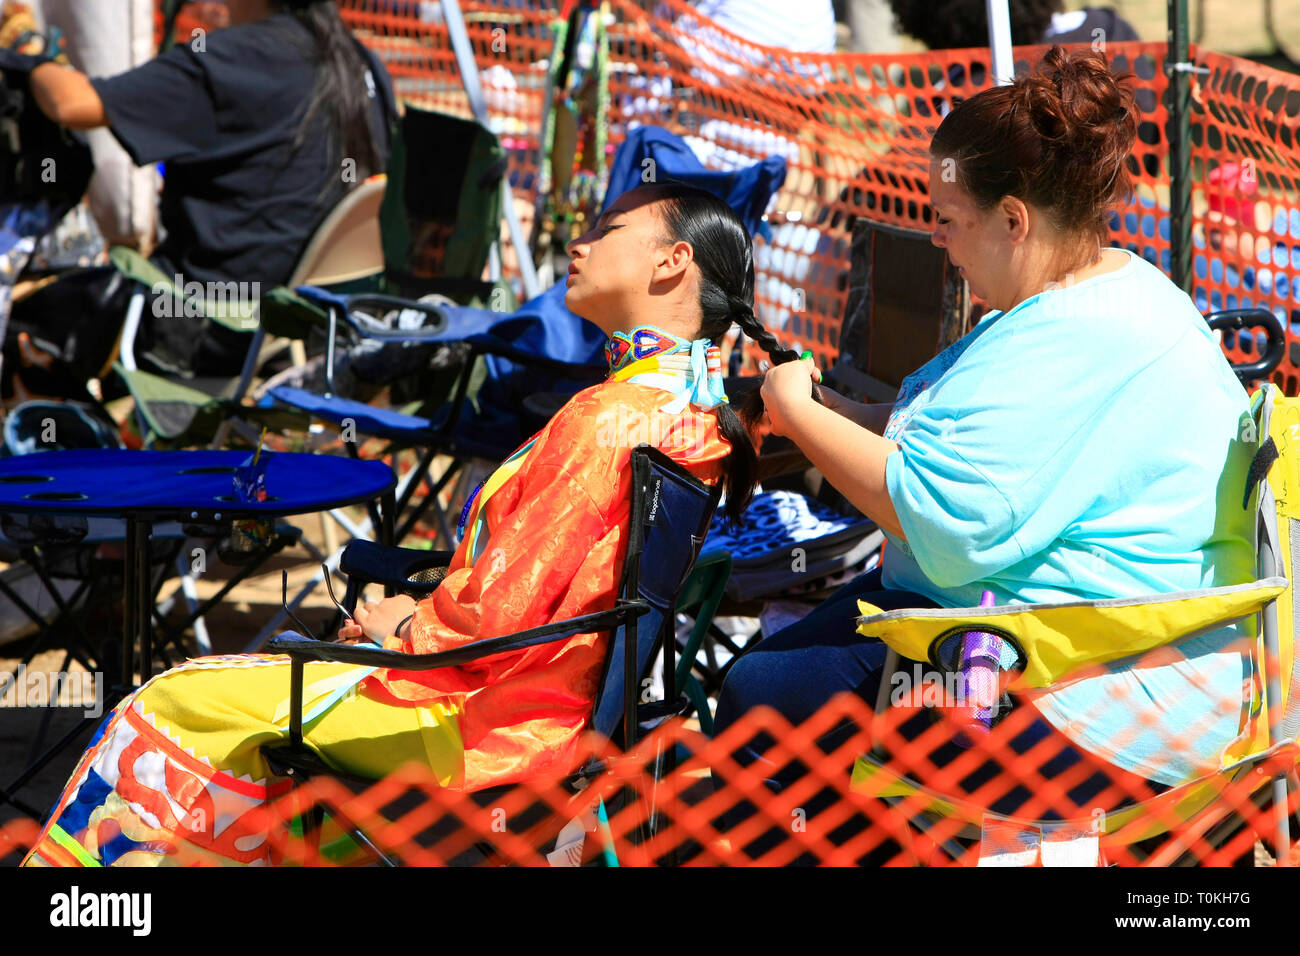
<point>854,129</point>
<point>1246,199</point>
<point>716,806</point>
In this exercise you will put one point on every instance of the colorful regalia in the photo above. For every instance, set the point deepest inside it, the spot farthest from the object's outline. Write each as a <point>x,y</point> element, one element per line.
<point>175,772</point>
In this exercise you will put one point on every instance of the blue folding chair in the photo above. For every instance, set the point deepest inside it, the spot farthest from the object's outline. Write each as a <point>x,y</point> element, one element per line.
<point>670,514</point>
<point>534,357</point>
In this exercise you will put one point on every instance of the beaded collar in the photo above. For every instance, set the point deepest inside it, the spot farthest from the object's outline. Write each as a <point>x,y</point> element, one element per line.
<point>690,371</point>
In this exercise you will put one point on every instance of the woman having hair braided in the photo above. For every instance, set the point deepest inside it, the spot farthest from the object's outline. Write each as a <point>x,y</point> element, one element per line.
<point>664,273</point>
<point>1023,461</point>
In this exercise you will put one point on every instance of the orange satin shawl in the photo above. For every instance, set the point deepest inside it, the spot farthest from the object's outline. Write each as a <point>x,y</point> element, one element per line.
<point>555,550</point>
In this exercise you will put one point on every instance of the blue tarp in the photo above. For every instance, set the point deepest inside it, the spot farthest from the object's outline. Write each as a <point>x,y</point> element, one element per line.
<point>545,326</point>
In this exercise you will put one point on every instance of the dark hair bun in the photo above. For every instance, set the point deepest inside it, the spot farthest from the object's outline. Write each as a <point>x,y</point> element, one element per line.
<point>1075,100</point>
<point>1058,138</point>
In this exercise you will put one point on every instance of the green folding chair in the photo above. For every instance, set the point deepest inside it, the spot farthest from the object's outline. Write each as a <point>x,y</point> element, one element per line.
<point>177,411</point>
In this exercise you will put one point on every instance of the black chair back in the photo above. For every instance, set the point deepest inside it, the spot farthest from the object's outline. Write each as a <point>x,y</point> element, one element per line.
<point>906,304</point>
<point>444,183</point>
<point>671,511</point>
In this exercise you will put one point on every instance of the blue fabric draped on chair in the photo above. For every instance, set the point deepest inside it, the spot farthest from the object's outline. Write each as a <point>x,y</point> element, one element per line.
<point>544,326</point>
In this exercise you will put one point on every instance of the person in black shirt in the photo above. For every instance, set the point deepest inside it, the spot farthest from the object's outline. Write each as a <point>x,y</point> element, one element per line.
<point>262,128</point>
<point>959,24</point>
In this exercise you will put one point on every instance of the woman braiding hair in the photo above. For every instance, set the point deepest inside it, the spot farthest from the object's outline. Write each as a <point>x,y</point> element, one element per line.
<point>1023,464</point>
<point>664,273</point>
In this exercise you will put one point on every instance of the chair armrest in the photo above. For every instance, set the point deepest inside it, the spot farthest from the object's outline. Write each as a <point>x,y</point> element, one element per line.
<point>1056,640</point>
<point>313,306</point>
<point>293,313</point>
<point>1239,319</point>
<point>230,309</point>
<point>303,649</point>
<point>136,267</point>
<point>456,323</point>
<point>436,332</point>
<point>406,569</point>
<point>487,343</point>
<point>287,314</point>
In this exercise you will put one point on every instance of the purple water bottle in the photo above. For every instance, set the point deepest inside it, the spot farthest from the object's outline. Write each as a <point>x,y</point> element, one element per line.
<point>978,667</point>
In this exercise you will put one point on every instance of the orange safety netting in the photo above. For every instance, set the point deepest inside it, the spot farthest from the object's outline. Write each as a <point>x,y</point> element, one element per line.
<point>854,129</point>
<point>1246,201</point>
<point>715,809</point>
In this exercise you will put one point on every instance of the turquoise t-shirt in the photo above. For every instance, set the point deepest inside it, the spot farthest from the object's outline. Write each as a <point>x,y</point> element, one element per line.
<point>1084,445</point>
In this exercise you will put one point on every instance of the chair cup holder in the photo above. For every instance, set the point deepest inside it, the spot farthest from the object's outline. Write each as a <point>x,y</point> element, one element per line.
<point>55,496</point>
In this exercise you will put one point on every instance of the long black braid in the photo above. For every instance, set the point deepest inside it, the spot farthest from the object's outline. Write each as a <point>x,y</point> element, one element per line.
<point>725,256</point>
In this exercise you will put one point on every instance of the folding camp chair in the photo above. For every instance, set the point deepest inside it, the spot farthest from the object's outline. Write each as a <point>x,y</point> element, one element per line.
<point>1206,809</point>
<point>906,304</point>
<point>670,511</point>
<point>175,411</point>
<point>541,347</point>
<point>179,411</point>
<point>453,428</point>
<point>439,223</point>
<point>440,215</point>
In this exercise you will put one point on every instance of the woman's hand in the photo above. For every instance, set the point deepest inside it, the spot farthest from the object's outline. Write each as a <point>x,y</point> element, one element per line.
<point>787,387</point>
<point>377,620</point>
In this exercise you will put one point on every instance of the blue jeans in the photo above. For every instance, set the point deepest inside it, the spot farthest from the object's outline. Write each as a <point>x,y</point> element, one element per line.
<point>797,670</point>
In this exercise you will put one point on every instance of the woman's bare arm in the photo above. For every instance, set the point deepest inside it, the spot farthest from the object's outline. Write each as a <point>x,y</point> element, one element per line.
<point>66,97</point>
<point>851,459</point>
<point>850,455</point>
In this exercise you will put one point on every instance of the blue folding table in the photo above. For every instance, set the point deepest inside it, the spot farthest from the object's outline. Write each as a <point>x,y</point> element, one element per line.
<point>193,487</point>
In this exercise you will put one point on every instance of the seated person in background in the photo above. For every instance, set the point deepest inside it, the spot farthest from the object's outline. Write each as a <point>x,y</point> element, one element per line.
<point>664,273</point>
<point>1082,442</point>
<point>962,24</point>
<point>263,127</point>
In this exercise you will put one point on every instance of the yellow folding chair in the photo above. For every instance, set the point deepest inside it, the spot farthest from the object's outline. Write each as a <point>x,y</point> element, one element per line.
<point>1057,640</point>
